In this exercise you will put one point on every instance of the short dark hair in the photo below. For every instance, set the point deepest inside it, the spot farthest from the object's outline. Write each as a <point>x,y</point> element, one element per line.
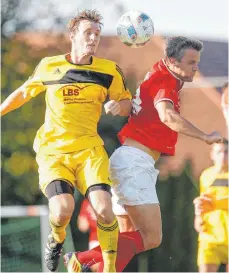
<point>175,46</point>
<point>86,14</point>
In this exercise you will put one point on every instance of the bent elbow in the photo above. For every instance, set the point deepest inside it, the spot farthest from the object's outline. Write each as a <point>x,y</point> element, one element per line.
<point>164,119</point>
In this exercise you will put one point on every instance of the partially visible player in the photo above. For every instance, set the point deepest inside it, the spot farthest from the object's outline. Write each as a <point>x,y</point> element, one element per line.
<point>70,153</point>
<point>87,222</point>
<point>224,103</point>
<point>151,131</point>
<point>211,212</point>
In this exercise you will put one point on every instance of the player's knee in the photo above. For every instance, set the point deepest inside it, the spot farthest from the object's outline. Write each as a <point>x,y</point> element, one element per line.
<point>105,214</point>
<point>100,199</point>
<point>61,218</point>
<point>61,208</point>
<point>61,214</point>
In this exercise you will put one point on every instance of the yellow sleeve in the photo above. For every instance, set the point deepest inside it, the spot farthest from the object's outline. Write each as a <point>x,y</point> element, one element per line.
<point>118,90</point>
<point>221,203</point>
<point>34,85</point>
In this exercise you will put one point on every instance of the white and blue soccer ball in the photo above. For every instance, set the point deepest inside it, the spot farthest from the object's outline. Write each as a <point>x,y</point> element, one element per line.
<point>135,28</point>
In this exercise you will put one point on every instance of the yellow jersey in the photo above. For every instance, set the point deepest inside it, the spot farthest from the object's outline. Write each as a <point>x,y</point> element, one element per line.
<point>215,222</point>
<point>74,98</point>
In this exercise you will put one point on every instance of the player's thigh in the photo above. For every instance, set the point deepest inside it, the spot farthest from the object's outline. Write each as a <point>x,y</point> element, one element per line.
<point>133,177</point>
<point>124,221</point>
<point>147,219</point>
<point>53,167</point>
<point>93,170</point>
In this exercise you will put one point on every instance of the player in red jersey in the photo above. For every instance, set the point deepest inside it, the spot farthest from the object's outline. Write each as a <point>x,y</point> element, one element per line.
<point>152,130</point>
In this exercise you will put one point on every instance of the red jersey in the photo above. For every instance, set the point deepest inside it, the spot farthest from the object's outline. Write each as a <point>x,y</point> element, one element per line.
<point>87,212</point>
<point>144,124</point>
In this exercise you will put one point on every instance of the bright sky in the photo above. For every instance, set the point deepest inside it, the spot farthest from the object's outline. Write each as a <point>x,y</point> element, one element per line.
<point>201,18</point>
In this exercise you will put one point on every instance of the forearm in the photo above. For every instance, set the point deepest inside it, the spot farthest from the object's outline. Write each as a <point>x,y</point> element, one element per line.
<point>125,107</point>
<point>198,222</point>
<point>13,101</point>
<point>179,124</point>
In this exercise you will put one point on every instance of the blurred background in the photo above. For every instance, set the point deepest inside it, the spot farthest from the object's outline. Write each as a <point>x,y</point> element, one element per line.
<point>31,30</point>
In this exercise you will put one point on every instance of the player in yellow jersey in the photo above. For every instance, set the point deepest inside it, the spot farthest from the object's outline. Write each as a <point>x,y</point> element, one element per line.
<point>70,153</point>
<point>211,212</point>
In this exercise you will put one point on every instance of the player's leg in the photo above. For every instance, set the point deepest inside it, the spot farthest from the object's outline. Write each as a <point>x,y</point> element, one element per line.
<point>134,179</point>
<point>208,268</point>
<point>147,220</point>
<point>144,220</point>
<point>208,258</point>
<point>124,222</point>
<point>107,226</point>
<point>92,244</point>
<point>130,241</point>
<point>96,187</point>
<point>128,244</point>
<point>53,178</point>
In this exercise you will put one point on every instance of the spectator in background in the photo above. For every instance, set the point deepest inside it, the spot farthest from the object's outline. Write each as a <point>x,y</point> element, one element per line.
<point>211,211</point>
<point>87,222</point>
<point>224,102</point>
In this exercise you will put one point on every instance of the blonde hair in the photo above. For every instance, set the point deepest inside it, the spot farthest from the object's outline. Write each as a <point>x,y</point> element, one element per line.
<point>87,14</point>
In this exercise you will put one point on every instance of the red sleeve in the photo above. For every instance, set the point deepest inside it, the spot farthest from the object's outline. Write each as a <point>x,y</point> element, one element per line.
<point>165,93</point>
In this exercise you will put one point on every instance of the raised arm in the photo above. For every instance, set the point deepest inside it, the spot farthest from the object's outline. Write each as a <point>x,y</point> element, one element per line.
<point>31,88</point>
<point>177,123</point>
<point>14,101</point>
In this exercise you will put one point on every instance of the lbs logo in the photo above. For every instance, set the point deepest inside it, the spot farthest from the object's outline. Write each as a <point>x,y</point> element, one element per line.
<point>71,90</point>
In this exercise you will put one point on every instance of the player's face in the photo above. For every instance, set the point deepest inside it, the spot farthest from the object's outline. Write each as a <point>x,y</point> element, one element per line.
<point>188,66</point>
<point>219,154</point>
<point>86,38</point>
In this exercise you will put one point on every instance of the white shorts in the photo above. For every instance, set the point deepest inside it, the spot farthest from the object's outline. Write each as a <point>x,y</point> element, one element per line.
<point>134,177</point>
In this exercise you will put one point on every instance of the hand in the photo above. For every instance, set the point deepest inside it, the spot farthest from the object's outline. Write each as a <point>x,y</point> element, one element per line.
<point>112,107</point>
<point>214,137</point>
<point>203,204</point>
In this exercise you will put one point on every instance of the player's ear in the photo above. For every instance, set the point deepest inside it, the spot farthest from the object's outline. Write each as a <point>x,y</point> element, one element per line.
<point>71,36</point>
<point>173,61</point>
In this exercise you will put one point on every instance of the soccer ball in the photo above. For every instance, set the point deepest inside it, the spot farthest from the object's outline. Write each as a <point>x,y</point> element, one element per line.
<point>135,28</point>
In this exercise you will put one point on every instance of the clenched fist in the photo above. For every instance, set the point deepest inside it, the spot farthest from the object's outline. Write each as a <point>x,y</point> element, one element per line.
<point>112,107</point>
<point>214,137</point>
<point>203,204</point>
